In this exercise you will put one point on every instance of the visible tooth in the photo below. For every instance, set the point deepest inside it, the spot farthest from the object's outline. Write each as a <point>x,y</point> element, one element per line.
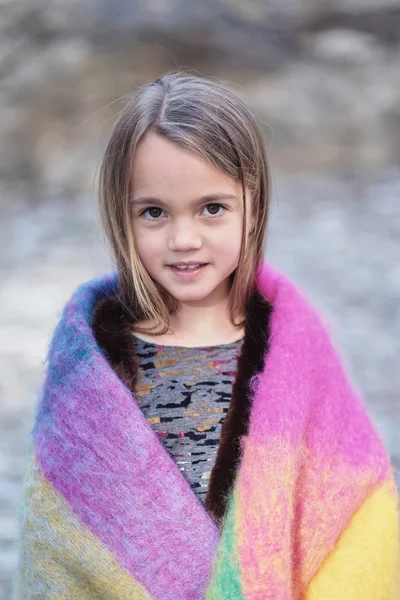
<point>188,267</point>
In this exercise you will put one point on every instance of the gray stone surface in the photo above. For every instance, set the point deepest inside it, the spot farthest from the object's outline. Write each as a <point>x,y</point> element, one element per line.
<point>323,78</point>
<point>326,72</point>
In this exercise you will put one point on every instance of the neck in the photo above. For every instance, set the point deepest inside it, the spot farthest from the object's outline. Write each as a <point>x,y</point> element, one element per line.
<point>207,319</point>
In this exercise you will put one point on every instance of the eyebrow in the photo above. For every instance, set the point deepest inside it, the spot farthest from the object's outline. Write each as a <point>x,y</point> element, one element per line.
<point>208,198</point>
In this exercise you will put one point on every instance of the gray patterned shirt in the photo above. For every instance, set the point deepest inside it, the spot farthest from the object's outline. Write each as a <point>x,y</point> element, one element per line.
<point>184,393</point>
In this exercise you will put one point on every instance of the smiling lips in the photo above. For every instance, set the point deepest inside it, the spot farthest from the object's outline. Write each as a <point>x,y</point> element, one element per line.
<point>187,266</point>
<point>187,270</point>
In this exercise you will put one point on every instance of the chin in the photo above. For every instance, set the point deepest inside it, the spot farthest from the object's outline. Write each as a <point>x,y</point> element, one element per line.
<point>188,295</point>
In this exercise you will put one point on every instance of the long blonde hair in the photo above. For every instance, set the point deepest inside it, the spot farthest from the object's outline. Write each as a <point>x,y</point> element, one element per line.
<point>203,117</point>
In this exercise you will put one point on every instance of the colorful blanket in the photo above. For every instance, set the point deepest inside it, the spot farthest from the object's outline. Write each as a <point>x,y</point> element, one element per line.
<point>107,514</point>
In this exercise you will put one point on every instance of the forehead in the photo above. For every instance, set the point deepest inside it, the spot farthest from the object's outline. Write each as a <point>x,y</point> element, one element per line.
<point>161,167</point>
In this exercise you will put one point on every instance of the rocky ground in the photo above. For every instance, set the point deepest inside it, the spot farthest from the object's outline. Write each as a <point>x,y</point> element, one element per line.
<point>323,77</point>
<point>324,80</point>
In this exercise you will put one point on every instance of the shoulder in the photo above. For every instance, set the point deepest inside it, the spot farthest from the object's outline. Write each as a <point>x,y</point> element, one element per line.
<point>287,297</point>
<point>304,355</point>
<point>90,311</point>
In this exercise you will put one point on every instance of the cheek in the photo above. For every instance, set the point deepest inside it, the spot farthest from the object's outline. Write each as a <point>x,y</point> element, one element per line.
<point>227,249</point>
<point>227,241</point>
<point>148,245</point>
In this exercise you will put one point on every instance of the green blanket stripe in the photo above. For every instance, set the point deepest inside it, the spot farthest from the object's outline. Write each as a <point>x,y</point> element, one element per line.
<point>226,579</point>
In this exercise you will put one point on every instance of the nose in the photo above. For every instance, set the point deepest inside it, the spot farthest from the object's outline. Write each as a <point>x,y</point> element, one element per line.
<point>184,236</point>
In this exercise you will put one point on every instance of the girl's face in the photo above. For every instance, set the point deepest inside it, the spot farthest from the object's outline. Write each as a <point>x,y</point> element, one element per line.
<point>185,211</point>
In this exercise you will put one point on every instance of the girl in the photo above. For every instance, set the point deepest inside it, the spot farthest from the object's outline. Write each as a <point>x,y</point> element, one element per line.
<point>197,436</point>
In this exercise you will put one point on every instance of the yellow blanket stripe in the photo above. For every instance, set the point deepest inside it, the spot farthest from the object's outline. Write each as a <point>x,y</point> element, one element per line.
<point>52,570</point>
<point>364,564</point>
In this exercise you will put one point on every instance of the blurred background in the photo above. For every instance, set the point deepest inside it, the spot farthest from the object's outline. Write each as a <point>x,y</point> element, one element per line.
<point>323,77</point>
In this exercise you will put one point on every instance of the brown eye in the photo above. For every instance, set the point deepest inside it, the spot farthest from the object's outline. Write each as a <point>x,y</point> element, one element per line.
<point>213,209</point>
<point>154,212</point>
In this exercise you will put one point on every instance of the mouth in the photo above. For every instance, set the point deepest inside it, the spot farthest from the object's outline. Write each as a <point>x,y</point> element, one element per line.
<point>187,269</point>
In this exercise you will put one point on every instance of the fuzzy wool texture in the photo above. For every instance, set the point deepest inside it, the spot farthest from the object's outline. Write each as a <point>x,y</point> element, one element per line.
<point>107,514</point>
